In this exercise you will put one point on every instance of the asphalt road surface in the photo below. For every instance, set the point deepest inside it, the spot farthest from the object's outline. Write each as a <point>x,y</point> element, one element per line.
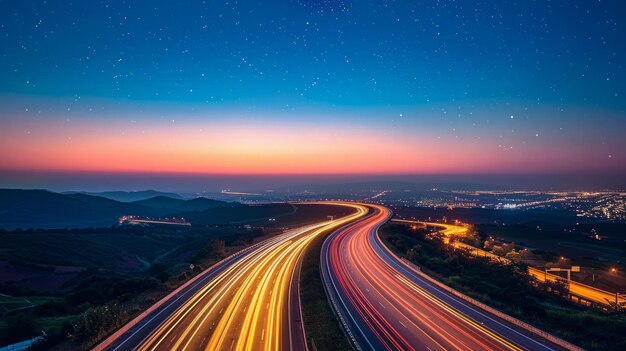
<point>248,302</point>
<point>385,305</point>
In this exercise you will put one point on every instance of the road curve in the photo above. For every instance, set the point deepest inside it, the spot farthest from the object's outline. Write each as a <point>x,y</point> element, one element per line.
<point>250,301</point>
<point>385,305</point>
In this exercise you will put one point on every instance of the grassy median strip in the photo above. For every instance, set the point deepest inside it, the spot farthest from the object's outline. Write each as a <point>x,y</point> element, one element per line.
<point>320,323</point>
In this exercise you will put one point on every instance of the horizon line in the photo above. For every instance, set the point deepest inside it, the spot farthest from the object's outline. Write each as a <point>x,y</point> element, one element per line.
<point>235,174</point>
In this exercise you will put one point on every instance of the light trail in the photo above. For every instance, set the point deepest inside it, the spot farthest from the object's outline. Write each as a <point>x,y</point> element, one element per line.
<point>584,291</point>
<point>248,304</point>
<point>384,305</point>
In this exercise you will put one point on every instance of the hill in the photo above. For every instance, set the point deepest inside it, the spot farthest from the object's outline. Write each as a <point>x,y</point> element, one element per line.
<point>242,214</point>
<point>128,196</point>
<point>45,209</point>
<point>197,204</point>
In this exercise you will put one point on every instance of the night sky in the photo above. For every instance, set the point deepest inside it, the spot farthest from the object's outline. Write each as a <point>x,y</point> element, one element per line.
<point>313,87</point>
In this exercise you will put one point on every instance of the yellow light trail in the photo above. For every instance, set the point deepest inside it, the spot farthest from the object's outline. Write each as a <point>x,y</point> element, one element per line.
<point>584,291</point>
<point>246,306</point>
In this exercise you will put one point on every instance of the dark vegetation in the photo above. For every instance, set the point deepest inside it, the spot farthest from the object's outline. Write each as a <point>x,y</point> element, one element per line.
<point>510,289</point>
<point>321,325</point>
<point>79,285</point>
<point>578,244</point>
<point>180,205</point>
<point>97,279</point>
<point>566,239</point>
<point>548,238</point>
<point>44,209</point>
<point>239,214</point>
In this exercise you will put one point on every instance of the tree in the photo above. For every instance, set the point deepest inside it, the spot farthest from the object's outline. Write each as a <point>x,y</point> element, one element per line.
<point>20,326</point>
<point>508,247</point>
<point>489,243</point>
<point>98,322</point>
<point>414,253</point>
<point>256,232</point>
<point>124,290</point>
<point>470,238</point>
<point>525,253</point>
<point>213,249</point>
<point>498,250</point>
<point>616,306</point>
<point>513,256</point>
<point>558,286</point>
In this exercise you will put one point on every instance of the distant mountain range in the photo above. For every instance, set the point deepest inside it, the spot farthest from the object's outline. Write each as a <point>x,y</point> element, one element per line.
<point>197,204</point>
<point>128,196</point>
<point>46,209</point>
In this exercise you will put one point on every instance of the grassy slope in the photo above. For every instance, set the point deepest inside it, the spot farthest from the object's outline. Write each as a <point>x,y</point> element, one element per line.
<point>320,323</point>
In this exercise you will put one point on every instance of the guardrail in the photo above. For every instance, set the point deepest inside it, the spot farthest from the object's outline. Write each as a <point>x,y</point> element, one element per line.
<point>22,345</point>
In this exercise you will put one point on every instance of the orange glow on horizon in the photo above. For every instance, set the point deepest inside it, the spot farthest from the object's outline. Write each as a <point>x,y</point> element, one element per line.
<point>271,147</point>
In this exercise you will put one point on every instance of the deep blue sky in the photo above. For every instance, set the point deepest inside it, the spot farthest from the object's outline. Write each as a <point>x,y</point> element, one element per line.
<point>536,86</point>
<point>358,53</point>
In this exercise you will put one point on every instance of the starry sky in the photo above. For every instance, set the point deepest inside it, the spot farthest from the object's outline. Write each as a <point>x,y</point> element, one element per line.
<point>313,87</point>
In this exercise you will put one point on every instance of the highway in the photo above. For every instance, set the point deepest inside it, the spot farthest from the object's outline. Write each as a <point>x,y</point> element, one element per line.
<point>250,301</point>
<point>384,304</point>
<point>585,291</point>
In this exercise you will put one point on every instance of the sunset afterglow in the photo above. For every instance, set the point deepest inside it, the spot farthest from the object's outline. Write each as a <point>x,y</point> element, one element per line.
<point>360,141</point>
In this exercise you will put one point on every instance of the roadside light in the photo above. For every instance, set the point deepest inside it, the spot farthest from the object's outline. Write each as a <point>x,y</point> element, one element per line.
<point>613,270</point>
<point>562,258</point>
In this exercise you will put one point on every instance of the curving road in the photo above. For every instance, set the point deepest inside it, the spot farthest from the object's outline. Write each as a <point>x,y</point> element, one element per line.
<point>384,304</point>
<point>248,302</point>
